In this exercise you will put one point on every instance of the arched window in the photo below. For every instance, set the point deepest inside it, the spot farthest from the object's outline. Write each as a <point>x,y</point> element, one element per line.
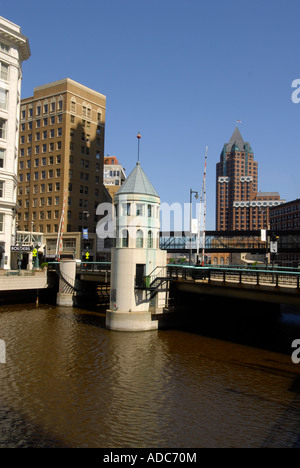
<point>125,238</point>
<point>150,240</point>
<point>139,239</point>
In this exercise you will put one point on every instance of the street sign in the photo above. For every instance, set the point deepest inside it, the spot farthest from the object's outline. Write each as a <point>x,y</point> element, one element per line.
<point>194,226</point>
<point>34,252</point>
<point>87,256</point>
<point>273,247</point>
<point>22,248</point>
<point>263,235</point>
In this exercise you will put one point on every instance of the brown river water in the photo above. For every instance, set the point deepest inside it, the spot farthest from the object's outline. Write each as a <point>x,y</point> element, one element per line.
<point>69,382</point>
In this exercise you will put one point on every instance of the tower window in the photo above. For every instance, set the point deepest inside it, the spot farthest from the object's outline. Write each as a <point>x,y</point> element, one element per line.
<point>139,239</point>
<point>124,238</point>
<point>150,240</point>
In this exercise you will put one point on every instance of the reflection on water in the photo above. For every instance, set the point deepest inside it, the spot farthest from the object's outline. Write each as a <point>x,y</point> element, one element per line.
<point>69,382</point>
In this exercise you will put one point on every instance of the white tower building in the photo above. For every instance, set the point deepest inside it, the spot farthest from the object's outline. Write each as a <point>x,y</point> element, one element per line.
<point>14,49</point>
<point>136,258</point>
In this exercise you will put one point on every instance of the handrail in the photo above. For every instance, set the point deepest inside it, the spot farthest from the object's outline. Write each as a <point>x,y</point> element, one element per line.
<point>247,270</point>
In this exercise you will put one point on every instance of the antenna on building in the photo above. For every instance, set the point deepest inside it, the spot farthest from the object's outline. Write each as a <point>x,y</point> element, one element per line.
<point>202,200</point>
<point>139,136</point>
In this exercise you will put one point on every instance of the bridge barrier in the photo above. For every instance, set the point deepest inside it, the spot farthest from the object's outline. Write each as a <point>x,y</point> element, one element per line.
<point>278,277</point>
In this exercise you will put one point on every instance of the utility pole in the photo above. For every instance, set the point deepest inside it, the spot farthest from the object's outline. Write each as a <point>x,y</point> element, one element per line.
<point>202,200</point>
<point>196,196</point>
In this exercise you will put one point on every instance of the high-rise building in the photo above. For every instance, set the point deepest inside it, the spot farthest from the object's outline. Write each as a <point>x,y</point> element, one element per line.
<point>239,205</point>
<point>61,158</point>
<point>14,49</point>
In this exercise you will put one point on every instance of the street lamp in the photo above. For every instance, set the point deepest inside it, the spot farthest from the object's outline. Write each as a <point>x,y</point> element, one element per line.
<point>191,196</point>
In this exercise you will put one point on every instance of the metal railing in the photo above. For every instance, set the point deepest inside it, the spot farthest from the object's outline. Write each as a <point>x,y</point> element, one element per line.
<point>258,277</point>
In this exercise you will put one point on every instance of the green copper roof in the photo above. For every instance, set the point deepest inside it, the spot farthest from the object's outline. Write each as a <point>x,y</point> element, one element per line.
<point>137,182</point>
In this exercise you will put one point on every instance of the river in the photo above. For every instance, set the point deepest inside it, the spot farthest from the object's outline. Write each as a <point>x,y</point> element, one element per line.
<point>69,382</point>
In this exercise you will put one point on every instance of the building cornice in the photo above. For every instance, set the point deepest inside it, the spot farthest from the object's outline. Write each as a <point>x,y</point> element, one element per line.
<point>10,34</point>
<point>71,82</point>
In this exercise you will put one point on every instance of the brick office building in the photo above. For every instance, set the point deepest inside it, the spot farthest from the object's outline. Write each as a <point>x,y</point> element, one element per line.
<point>61,155</point>
<point>239,205</point>
<point>285,224</point>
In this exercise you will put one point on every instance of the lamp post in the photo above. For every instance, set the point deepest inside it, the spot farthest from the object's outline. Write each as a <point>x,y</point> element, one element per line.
<point>191,196</point>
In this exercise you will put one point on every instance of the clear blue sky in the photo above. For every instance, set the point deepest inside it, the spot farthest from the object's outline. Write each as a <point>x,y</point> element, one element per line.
<point>182,73</point>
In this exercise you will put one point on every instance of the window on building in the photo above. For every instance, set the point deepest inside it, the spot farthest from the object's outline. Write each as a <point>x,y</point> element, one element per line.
<point>4,47</point>
<point>150,240</point>
<point>3,98</point>
<point>126,209</point>
<point>2,157</point>
<point>3,124</point>
<point>139,209</point>
<point>73,105</point>
<point>1,189</point>
<point>125,238</point>
<point>139,238</point>
<point>4,71</point>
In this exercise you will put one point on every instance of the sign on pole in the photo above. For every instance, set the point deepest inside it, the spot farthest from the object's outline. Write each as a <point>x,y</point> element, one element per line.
<point>263,236</point>
<point>194,226</point>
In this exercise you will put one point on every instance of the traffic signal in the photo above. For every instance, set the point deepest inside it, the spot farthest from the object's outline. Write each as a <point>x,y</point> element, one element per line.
<point>274,237</point>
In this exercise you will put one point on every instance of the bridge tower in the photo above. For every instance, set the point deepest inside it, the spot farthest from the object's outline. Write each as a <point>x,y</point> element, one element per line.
<point>136,258</point>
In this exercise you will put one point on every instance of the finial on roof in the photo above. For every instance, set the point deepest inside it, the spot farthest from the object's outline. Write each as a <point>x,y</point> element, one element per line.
<point>139,136</point>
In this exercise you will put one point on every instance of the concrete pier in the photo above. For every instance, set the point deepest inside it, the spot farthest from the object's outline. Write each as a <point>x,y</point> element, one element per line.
<point>65,296</point>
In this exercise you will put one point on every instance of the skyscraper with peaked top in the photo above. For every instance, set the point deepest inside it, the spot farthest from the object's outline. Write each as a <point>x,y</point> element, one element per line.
<point>239,205</point>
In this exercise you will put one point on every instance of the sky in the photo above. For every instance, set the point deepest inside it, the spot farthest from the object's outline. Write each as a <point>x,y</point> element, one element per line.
<point>182,73</point>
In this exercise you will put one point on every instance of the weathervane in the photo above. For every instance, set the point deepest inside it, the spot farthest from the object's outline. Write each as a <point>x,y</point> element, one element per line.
<point>238,122</point>
<point>139,136</point>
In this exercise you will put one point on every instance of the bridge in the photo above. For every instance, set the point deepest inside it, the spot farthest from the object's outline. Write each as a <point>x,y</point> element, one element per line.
<point>229,241</point>
<point>277,286</point>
